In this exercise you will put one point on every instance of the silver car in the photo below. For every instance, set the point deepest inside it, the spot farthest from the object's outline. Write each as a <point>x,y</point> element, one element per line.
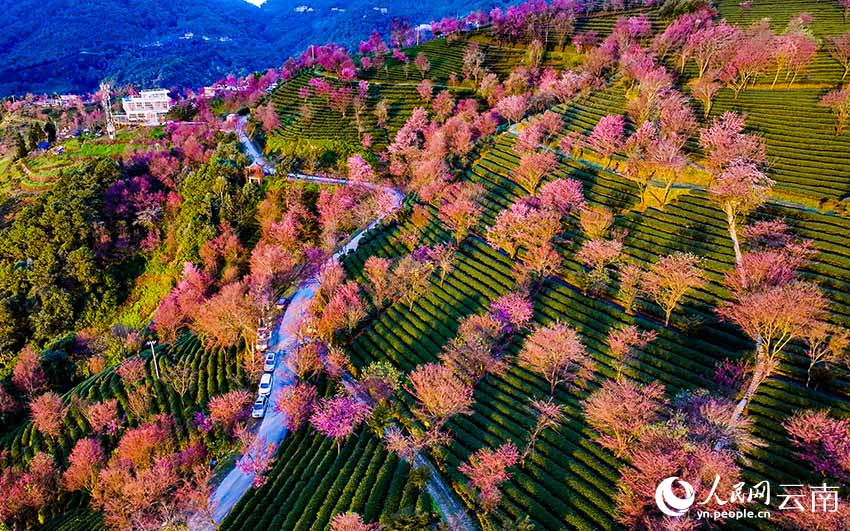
<point>268,366</point>
<point>260,405</point>
<point>266,384</point>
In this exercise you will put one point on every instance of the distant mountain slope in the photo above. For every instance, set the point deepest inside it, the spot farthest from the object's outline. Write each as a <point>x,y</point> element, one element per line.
<point>69,45</point>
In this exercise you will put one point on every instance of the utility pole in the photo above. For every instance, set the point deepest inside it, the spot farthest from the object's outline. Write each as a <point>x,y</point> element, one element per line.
<point>152,342</point>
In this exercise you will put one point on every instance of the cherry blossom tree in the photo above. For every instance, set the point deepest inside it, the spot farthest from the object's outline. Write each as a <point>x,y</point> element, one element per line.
<point>625,343</point>
<point>422,64</point>
<point>597,255</point>
<point>523,226</point>
<point>821,440</point>
<point>27,491</point>
<point>772,316</point>
<point>595,221</point>
<point>376,270</point>
<point>175,310</point>
<point>439,394</point>
<point>461,210</point>
<point>533,167</point>
<point>724,142</point>
<point>267,116</point>
<point>473,62</point>
<point>751,58</point>
<point>410,279</point>
<point>305,360</point>
<point>338,417</point>
<point>472,353</point>
<point>621,411</point>
<point>84,464</point>
<point>513,311</point>
<point>607,137</point>
<point>228,317</point>
<point>741,188</point>
<point>704,89</point>
<point>711,46</point>
<point>359,170</point>
<point>631,278</point>
<point>48,411</point>
<point>825,344</point>
<point>103,417</point>
<point>839,49</point>
<point>565,196</point>
<point>351,522</point>
<point>556,353</point>
<point>28,375</point>
<point>670,278</point>
<point>257,458</point>
<point>838,101</point>
<point>229,408</point>
<point>344,310</point>
<point>442,105</point>
<point>143,445</point>
<point>487,470</point>
<point>547,415</point>
<point>825,520</point>
<point>512,108</point>
<point>793,52</point>
<point>662,457</point>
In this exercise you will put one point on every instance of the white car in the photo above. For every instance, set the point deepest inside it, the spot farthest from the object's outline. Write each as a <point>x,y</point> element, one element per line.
<point>268,366</point>
<point>266,384</point>
<point>260,405</point>
<point>262,345</point>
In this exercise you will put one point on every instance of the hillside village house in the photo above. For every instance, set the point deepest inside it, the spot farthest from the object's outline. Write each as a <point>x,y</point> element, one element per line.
<point>148,108</point>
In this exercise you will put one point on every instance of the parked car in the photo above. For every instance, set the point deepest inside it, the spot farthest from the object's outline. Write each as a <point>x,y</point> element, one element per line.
<point>268,366</point>
<point>262,345</point>
<point>266,384</point>
<point>260,405</point>
<point>281,303</point>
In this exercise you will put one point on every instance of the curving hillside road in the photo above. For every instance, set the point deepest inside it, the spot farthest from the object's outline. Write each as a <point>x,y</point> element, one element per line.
<point>283,338</point>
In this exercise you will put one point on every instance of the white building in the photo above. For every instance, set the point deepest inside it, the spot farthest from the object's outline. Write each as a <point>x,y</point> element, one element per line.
<point>149,107</point>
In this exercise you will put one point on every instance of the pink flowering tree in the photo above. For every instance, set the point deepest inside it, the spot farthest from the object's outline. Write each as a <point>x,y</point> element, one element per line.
<point>512,108</point>
<point>48,411</point>
<point>359,170</point>
<point>439,393</point>
<point>338,417</point>
<point>670,278</point>
<point>533,167</point>
<point>622,411</point>
<point>625,343</point>
<point>838,101</point>
<point>821,440</point>
<point>839,49</point>
<point>296,402</point>
<point>724,142</point>
<point>556,353</point>
<point>607,137</point>
<point>739,189</point>
<point>351,522</point>
<point>257,459</point>
<point>565,196</point>
<point>487,469</point>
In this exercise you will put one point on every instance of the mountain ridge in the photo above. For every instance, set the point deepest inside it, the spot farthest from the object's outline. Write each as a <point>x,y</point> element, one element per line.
<point>175,43</point>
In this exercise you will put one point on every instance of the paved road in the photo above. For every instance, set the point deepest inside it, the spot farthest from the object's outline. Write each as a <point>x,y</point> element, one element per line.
<point>282,339</point>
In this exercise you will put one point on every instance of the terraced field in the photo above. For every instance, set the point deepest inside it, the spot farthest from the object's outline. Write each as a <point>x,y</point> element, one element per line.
<point>312,481</point>
<point>570,480</point>
<point>214,372</point>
